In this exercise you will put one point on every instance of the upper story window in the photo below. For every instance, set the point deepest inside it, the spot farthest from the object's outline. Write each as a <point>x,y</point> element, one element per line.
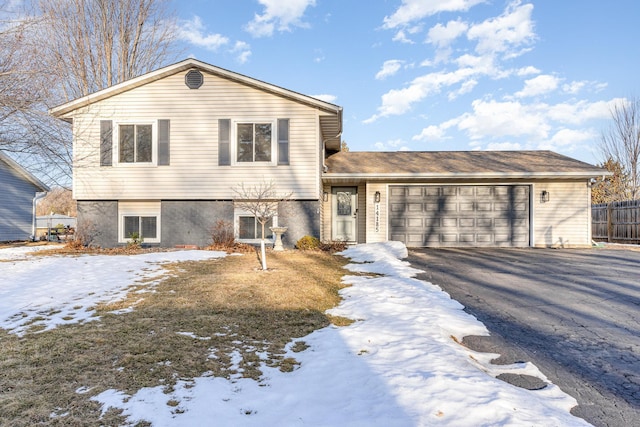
<point>135,143</point>
<point>254,142</point>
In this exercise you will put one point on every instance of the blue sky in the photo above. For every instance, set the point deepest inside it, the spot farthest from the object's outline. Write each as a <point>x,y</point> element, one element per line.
<point>435,74</point>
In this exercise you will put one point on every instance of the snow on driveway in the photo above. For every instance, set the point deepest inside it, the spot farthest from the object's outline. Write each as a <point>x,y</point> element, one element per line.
<point>398,365</point>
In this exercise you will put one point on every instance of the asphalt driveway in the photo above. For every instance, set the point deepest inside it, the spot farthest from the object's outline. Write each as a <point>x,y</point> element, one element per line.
<point>574,313</point>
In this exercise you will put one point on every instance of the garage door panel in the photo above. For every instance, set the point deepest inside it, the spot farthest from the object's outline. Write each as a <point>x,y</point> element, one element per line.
<point>449,238</point>
<point>397,191</point>
<point>398,222</point>
<point>415,222</point>
<point>467,222</point>
<point>414,191</point>
<point>432,215</point>
<point>484,238</point>
<point>450,222</point>
<point>449,191</point>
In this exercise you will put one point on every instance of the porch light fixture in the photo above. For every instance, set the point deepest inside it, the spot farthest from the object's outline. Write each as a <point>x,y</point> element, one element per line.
<point>325,196</point>
<point>376,197</point>
<point>544,196</point>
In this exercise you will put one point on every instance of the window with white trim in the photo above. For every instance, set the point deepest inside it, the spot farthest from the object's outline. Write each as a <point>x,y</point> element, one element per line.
<point>249,230</point>
<point>139,220</point>
<point>255,143</point>
<point>142,227</point>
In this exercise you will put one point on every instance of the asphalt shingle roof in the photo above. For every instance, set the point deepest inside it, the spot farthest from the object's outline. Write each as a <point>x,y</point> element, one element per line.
<point>456,162</point>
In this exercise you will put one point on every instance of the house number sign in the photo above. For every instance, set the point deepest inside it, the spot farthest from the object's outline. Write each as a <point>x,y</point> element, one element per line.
<point>376,214</point>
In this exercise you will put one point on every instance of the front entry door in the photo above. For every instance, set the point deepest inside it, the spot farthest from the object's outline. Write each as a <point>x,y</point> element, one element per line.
<point>344,207</point>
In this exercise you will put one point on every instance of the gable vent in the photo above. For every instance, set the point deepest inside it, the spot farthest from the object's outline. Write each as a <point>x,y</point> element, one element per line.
<point>193,79</point>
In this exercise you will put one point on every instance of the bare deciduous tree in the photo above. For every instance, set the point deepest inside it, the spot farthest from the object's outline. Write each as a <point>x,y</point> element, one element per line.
<point>93,44</point>
<point>57,201</point>
<point>261,201</point>
<point>64,49</point>
<point>621,144</point>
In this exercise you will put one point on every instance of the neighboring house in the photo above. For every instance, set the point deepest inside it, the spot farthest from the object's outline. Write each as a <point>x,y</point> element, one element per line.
<point>18,190</point>
<point>162,153</point>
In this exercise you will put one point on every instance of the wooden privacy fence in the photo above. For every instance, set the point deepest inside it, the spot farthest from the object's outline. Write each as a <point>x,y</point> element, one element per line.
<point>616,221</point>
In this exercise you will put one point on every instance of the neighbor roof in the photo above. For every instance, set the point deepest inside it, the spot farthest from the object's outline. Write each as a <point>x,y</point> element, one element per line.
<point>25,174</point>
<point>457,164</point>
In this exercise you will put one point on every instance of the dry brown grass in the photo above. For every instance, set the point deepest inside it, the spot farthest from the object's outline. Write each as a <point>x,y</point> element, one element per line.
<point>227,304</point>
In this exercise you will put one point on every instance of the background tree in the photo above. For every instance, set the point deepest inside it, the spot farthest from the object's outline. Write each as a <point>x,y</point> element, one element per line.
<point>261,201</point>
<point>58,201</point>
<point>609,188</point>
<point>621,144</point>
<point>60,50</point>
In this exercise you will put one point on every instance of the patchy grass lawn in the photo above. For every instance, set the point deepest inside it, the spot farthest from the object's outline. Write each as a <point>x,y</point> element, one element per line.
<point>190,325</point>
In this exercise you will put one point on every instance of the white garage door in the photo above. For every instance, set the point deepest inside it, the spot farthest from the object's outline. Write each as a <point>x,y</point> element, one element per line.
<point>459,216</point>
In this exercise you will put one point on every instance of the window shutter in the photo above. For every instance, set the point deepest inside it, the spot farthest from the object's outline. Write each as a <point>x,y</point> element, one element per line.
<point>163,142</point>
<point>283,141</point>
<point>224,143</point>
<point>106,142</point>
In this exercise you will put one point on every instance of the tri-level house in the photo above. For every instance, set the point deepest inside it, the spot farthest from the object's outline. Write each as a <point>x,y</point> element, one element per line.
<point>160,155</point>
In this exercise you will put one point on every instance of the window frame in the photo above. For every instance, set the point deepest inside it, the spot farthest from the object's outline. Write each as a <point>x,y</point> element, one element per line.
<point>154,142</point>
<point>140,210</point>
<point>240,213</point>
<point>273,143</point>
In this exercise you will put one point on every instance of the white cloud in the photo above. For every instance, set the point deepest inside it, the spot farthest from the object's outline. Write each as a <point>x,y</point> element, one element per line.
<point>505,33</point>
<point>391,145</point>
<point>430,133</point>
<point>326,98</point>
<point>400,101</point>
<point>193,31</point>
<point>414,10</point>
<point>279,15</point>
<point>389,68</point>
<point>243,50</point>
<point>527,71</point>
<point>568,137</point>
<point>580,111</point>
<point>465,88</point>
<point>539,85</point>
<point>492,119</point>
<point>576,87</point>
<point>443,35</point>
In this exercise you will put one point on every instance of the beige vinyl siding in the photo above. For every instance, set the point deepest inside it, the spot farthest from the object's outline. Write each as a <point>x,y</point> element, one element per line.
<point>380,235</point>
<point>193,172</point>
<point>563,221</point>
<point>327,215</point>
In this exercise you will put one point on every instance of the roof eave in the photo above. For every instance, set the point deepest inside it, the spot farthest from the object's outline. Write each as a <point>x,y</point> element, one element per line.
<point>466,175</point>
<point>24,173</point>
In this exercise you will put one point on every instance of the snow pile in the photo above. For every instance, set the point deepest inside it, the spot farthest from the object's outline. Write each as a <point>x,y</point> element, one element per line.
<point>54,290</point>
<point>397,365</point>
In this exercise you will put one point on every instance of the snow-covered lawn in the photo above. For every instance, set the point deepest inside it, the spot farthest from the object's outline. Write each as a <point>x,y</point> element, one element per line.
<point>398,365</point>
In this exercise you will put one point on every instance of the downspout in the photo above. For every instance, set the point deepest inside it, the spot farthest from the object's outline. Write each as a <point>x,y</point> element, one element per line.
<point>324,141</point>
<point>39,195</point>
